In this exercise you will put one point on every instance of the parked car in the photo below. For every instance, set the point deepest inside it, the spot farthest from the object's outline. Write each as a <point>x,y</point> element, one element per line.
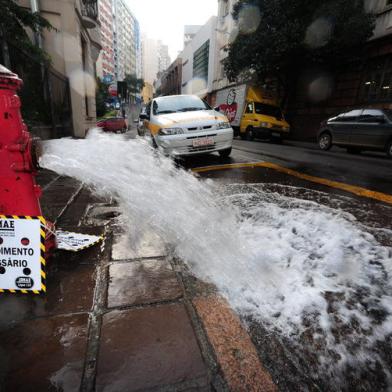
<point>113,124</point>
<point>357,130</point>
<point>186,125</point>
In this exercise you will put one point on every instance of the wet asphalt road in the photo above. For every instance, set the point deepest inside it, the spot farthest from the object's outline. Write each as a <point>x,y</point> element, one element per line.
<point>372,170</point>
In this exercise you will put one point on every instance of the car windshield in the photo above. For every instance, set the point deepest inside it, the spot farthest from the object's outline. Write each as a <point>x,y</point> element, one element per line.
<point>175,104</point>
<point>268,110</point>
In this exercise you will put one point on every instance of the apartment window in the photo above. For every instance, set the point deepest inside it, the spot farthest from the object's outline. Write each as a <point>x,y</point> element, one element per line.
<point>200,61</point>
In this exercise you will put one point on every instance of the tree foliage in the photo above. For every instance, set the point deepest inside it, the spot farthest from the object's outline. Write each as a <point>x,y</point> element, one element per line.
<point>13,24</point>
<point>294,34</point>
<point>101,97</point>
<point>134,84</point>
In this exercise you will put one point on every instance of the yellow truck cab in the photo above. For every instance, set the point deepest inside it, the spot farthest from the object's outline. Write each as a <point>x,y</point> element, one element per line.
<point>252,112</point>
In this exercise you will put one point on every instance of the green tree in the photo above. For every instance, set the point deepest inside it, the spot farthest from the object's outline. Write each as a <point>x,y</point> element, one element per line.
<point>277,38</point>
<point>134,84</point>
<point>101,96</point>
<point>13,24</point>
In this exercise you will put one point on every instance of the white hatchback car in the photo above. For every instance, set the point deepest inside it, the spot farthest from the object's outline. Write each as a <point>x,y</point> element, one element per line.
<point>183,125</point>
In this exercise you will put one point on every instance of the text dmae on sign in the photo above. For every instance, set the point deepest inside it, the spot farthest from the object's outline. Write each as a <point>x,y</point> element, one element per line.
<point>22,254</point>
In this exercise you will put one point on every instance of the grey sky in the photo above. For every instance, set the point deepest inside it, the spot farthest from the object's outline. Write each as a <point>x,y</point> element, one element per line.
<point>165,19</point>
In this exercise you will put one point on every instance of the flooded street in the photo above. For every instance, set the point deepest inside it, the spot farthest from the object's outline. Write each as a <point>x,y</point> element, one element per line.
<point>308,266</point>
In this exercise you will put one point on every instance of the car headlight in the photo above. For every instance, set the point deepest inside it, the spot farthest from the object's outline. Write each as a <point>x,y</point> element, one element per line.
<point>223,125</point>
<point>170,131</point>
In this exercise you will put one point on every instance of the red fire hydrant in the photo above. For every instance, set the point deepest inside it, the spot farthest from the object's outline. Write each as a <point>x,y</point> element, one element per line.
<point>19,193</point>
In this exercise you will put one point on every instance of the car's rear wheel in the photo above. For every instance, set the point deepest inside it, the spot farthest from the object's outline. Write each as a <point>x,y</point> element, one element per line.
<point>389,149</point>
<point>250,134</point>
<point>325,141</point>
<point>225,153</point>
<point>243,135</point>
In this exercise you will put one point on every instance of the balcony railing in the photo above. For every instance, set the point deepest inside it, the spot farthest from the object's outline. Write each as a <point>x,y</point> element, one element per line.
<point>89,10</point>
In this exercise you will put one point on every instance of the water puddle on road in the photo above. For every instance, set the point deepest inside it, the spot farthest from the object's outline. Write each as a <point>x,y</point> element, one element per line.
<point>307,271</point>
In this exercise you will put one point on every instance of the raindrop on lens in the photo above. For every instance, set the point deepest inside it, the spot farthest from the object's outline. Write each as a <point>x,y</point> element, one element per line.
<point>319,33</point>
<point>249,19</point>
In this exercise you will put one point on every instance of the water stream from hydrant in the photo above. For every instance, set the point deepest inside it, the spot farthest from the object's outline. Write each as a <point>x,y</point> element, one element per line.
<point>295,266</point>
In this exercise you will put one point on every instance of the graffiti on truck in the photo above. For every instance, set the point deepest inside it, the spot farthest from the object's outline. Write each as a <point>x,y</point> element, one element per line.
<point>230,108</point>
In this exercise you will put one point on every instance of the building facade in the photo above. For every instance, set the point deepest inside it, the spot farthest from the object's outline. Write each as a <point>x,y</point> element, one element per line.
<point>189,33</point>
<point>150,59</point>
<point>163,57</point>
<point>225,33</point>
<point>171,80</point>
<point>139,53</point>
<point>105,63</point>
<point>199,61</point>
<point>366,83</point>
<point>125,34</point>
<point>156,59</point>
<point>74,47</point>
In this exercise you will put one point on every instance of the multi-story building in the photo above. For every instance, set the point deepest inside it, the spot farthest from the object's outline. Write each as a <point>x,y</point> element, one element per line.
<point>150,59</point>
<point>74,46</point>
<point>155,59</point>
<point>125,29</point>
<point>171,79</point>
<point>163,57</point>
<point>139,56</point>
<point>198,61</point>
<point>105,63</point>
<point>189,32</point>
<point>224,33</point>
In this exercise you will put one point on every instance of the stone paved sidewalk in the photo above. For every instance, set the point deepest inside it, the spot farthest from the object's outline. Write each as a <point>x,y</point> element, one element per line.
<point>119,319</point>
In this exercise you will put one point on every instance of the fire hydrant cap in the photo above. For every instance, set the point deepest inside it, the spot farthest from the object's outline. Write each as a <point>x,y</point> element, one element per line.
<point>8,79</point>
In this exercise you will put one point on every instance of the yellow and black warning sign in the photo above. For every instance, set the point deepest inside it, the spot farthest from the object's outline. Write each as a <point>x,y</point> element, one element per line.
<point>75,242</point>
<point>22,254</point>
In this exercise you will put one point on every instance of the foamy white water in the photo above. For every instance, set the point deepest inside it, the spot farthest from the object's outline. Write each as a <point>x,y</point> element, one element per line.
<point>286,262</point>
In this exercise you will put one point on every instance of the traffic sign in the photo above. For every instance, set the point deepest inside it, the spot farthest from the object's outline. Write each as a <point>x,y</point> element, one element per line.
<point>108,79</point>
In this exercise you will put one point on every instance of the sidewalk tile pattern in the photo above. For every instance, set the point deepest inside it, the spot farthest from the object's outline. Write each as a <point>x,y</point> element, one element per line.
<point>146,348</point>
<point>142,282</point>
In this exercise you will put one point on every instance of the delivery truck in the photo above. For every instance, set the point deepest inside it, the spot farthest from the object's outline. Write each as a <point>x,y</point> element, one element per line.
<point>252,112</point>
